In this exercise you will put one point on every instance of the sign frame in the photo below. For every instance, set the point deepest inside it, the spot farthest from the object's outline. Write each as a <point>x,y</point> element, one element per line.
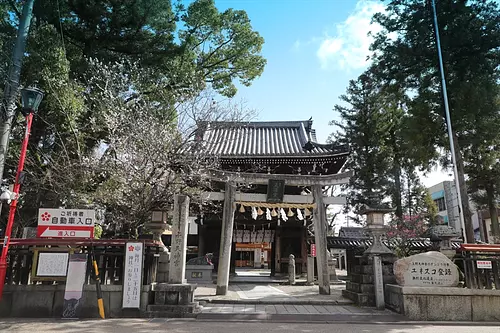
<point>34,267</point>
<point>275,190</point>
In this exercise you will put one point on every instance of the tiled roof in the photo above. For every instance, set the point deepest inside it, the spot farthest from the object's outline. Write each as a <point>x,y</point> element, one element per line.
<point>352,232</point>
<point>359,243</point>
<point>265,139</point>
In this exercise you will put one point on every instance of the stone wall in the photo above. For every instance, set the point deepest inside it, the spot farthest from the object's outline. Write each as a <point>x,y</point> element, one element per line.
<point>47,301</point>
<point>444,304</point>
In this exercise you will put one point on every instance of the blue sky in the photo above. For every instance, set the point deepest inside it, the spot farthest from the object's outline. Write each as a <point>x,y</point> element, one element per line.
<point>313,48</point>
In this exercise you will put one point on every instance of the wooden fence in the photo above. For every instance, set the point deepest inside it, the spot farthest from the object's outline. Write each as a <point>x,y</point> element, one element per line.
<point>109,253</point>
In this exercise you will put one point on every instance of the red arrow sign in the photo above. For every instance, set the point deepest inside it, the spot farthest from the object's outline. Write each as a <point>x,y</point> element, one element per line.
<point>44,231</point>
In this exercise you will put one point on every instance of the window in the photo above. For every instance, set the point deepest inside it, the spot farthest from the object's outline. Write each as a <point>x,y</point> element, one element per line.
<point>440,204</point>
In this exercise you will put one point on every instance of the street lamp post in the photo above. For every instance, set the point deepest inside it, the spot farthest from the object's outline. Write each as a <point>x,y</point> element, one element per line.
<point>31,98</point>
<point>448,122</point>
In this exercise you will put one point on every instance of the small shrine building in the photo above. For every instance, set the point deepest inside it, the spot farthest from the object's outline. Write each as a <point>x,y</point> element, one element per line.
<point>272,184</point>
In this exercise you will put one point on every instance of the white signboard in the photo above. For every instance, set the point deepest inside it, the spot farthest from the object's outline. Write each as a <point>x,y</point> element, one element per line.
<point>66,217</point>
<point>484,264</point>
<point>132,276</point>
<point>52,264</point>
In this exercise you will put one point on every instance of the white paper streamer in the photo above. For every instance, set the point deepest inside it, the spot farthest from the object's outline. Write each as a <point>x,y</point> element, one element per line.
<point>299,214</point>
<point>283,215</point>
<point>268,214</point>
<point>254,213</point>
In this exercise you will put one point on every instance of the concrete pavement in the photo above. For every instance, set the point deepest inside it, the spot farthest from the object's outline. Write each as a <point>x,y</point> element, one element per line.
<point>249,293</point>
<point>188,326</point>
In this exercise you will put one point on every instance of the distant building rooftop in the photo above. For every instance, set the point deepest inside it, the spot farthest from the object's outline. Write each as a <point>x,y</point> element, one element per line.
<point>352,232</point>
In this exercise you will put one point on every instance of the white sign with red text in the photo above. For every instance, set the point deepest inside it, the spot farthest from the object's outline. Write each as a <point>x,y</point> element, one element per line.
<point>66,223</point>
<point>484,264</point>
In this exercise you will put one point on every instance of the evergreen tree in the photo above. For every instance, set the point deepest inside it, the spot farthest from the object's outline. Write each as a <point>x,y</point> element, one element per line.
<point>364,129</point>
<point>405,55</point>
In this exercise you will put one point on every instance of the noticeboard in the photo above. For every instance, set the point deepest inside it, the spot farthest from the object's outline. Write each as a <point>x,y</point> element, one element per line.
<point>50,264</point>
<point>275,190</point>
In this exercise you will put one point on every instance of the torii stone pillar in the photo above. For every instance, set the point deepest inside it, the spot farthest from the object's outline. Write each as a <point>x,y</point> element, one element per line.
<point>319,217</point>
<point>226,240</point>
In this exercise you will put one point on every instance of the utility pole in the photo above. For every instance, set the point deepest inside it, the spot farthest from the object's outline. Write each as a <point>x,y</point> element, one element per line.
<point>12,83</point>
<point>448,121</point>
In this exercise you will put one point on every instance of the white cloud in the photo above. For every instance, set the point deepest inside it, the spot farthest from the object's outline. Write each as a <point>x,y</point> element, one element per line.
<point>348,47</point>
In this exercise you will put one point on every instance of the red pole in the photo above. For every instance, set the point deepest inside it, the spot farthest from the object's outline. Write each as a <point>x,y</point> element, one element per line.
<point>13,205</point>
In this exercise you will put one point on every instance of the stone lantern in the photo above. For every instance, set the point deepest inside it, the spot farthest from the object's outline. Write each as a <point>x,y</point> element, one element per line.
<point>377,229</point>
<point>444,234</point>
<point>158,225</point>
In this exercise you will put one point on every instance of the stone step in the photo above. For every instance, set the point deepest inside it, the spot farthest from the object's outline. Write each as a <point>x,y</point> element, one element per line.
<point>172,311</point>
<point>278,301</point>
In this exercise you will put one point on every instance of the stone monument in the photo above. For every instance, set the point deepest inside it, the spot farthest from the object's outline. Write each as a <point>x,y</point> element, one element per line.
<point>176,298</point>
<point>430,269</point>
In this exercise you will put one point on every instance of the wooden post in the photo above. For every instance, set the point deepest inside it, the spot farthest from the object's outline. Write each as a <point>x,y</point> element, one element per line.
<point>319,217</point>
<point>226,240</point>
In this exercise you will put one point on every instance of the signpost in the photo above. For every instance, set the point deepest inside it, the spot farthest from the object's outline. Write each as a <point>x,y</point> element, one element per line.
<point>66,223</point>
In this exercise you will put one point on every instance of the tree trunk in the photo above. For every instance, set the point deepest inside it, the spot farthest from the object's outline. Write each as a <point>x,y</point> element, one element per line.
<point>495,228</point>
<point>469,228</point>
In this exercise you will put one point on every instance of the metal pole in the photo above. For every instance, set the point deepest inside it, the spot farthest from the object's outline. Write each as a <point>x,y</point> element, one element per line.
<point>12,83</point>
<point>448,120</point>
<point>13,205</point>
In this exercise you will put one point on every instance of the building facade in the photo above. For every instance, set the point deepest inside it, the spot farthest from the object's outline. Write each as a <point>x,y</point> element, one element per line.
<point>445,197</point>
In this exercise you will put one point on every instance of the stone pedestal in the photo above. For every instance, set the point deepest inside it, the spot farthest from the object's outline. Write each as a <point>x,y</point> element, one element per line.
<point>361,287</point>
<point>163,267</point>
<point>173,301</point>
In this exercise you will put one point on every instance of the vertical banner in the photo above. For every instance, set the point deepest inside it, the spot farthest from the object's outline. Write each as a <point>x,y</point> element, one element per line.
<point>132,276</point>
<point>75,279</point>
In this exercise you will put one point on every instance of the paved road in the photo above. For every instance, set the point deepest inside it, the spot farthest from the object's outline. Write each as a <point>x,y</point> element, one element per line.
<point>178,326</point>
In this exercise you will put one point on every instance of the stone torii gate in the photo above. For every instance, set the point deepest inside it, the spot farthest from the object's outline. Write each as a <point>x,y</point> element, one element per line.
<point>315,182</point>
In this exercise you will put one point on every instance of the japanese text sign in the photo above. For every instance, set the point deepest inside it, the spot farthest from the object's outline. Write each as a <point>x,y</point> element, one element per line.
<point>132,277</point>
